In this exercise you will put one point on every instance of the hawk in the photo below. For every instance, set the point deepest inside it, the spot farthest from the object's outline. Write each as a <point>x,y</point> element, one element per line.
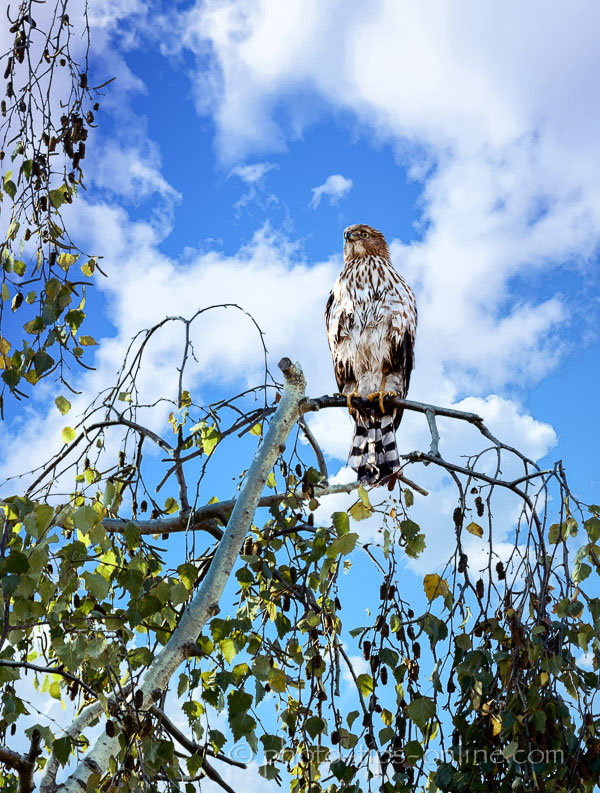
<point>371,319</point>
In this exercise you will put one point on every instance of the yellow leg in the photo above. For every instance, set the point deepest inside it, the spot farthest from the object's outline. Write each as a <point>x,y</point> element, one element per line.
<point>351,410</point>
<point>381,394</point>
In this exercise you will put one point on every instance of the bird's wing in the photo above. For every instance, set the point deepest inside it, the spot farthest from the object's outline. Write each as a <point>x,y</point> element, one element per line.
<point>402,319</point>
<point>336,321</point>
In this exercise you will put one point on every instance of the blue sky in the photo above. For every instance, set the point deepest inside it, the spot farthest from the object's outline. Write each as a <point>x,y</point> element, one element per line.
<point>469,135</point>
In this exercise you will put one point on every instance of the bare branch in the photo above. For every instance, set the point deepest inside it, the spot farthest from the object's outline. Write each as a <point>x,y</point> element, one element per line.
<point>308,433</point>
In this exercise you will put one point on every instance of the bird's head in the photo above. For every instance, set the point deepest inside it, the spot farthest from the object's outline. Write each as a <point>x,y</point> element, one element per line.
<point>362,240</point>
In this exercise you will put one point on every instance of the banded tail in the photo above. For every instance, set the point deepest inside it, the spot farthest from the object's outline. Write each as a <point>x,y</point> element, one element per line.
<point>374,454</point>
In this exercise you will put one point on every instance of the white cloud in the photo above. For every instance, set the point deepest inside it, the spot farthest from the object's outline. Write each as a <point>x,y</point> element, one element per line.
<point>334,188</point>
<point>131,172</point>
<point>253,173</point>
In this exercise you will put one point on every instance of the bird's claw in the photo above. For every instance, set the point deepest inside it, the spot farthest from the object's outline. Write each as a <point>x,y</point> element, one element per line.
<point>379,395</point>
<point>352,410</point>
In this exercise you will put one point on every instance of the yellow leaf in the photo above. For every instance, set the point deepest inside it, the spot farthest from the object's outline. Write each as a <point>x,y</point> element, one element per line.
<point>435,586</point>
<point>496,725</point>
<point>277,679</point>
<point>68,434</point>
<point>475,528</point>
<point>544,677</point>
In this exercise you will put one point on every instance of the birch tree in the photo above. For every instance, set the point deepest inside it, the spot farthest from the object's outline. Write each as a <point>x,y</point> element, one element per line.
<point>177,627</point>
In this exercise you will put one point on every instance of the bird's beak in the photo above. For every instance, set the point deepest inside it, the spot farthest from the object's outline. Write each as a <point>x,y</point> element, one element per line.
<point>348,236</point>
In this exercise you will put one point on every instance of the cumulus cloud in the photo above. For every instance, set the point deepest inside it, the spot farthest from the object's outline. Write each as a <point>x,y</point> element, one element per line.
<point>334,188</point>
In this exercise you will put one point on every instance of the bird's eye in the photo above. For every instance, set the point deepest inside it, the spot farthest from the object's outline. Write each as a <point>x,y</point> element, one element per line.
<point>364,234</point>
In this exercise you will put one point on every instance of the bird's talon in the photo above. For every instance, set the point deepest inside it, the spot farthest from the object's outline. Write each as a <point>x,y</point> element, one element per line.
<point>352,410</point>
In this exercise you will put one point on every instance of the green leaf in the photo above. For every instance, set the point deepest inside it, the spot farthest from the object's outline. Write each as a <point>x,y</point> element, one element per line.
<point>228,648</point>
<point>434,627</point>
<point>57,197</point>
<point>269,771</point>
<point>132,535</point>
<point>42,362</point>
<point>217,739</point>
<point>365,684</point>
<point>74,318</point>
<point>10,187</point>
<point>44,514</point>
<point>194,763</point>
<point>238,702</point>
<point>314,726</point>
<point>592,526</point>
<point>342,545</point>
<point>341,522</point>
<point>421,711</point>
<point>409,497</point>
<point>63,404</point>
<point>188,574</point>
<point>85,518</point>
<point>241,725</point>
<point>413,752</point>
<point>444,776</point>
<point>62,749</point>
<point>581,571</point>
<point>16,562</point>
<point>97,585</point>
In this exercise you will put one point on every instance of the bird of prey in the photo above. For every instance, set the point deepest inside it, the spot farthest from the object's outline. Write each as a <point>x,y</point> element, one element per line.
<point>371,319</point>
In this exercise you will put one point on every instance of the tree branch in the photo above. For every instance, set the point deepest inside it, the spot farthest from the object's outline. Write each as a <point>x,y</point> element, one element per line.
<point>186,742</point>
<point>206,518</point>
<point>339,401</point>
<point>308,434</point>
<point>24,765</point>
